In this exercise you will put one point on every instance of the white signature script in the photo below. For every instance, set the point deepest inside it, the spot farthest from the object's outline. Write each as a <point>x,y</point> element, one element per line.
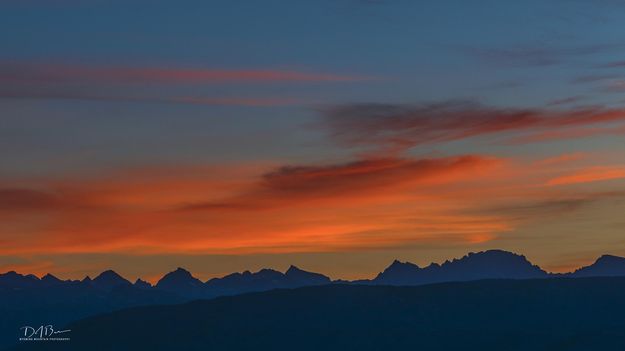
<point>42,332</point>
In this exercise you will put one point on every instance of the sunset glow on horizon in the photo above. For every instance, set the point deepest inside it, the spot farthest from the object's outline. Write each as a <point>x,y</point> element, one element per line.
<point>218,147</point>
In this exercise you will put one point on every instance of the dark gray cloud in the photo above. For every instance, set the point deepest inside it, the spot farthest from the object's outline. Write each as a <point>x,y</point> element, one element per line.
<point>395,128</point>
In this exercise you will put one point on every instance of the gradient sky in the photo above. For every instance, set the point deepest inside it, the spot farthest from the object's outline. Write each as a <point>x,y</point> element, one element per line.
<point>335,135</point>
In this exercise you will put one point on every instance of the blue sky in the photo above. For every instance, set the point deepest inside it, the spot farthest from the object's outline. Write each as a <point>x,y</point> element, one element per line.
<point>94,93</point>
<point>504,53</point>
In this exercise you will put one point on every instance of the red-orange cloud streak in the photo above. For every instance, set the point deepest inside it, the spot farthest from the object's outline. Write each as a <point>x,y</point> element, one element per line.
<point>347,206</point>
<point>226,209</point>
<point>63,73</point>
<point>592,174</point>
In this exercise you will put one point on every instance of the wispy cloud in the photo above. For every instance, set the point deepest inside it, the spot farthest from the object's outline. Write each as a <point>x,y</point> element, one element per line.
<point>565,101</point>
<point>561,159</point>
<point>567,133</point>
<point>272,208</point>
<point>394,128</point>
<point>20,199</point>
<point>617,86</point>
<point>593,78</point>
<point>62,73</point>
<point>615,64</point>
<point>73,94</point>
<point>550,206</point>
<point>347,206</point>
<point>365,179</point>
<point>592,174</point>
<point>239,101</point>
<point>103,83</point>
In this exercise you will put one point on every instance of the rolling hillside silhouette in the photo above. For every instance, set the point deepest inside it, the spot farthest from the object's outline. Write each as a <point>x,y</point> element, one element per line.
<point>544,314</point>
<point>27,299</point>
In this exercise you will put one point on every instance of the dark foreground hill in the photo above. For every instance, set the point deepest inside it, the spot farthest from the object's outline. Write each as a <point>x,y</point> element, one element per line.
<point>29,300</point>
<point>541,314</point>
<point>60,304</point>
<point>26,300</point>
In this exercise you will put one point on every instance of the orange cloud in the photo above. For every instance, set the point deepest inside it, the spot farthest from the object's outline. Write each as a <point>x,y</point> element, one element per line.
<point>564,158</point>
<point>18,199</point>
<point>365,180</point>
<point>376,206</point>
<point>592,174</point>
<point>264,208</point>
<point>354,205</point>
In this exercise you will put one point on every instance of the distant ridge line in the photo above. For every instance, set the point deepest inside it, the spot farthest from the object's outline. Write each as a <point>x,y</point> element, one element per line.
<point>489,264</point>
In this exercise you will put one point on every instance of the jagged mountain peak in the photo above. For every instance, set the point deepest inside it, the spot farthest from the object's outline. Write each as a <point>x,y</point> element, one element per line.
<point>15,279</point>
<point>178,273</point>
<point>14,274</point>
<point>109,273</point>
<point>179,281</point>
<point>398,271</point>
<point>492,264</point>
<point>293,269</point>
<point>140,283</point>
<point>267,271</point>
<point>495,254</point>
<point>397,264</point>
<point>606,265</point>
<point>51,277</point>
<point>492,257</point>
<point>610,259</point>
<point>489,264</point>
<point>299,276</point>
<point>181,272</point>
<point>108,280</point>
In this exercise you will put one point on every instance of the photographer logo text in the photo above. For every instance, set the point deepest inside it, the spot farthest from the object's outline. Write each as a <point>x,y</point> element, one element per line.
<point>43,333</point>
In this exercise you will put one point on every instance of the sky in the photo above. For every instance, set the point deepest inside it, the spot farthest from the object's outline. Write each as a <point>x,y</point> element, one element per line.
<point>339,135</point>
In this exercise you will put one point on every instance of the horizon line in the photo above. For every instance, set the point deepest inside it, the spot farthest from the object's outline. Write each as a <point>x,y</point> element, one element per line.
<point>292,265</point>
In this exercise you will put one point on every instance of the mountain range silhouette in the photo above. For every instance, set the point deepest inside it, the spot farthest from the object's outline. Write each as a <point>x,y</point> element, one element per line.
<point>27,299</point>
<point>490,264</point>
